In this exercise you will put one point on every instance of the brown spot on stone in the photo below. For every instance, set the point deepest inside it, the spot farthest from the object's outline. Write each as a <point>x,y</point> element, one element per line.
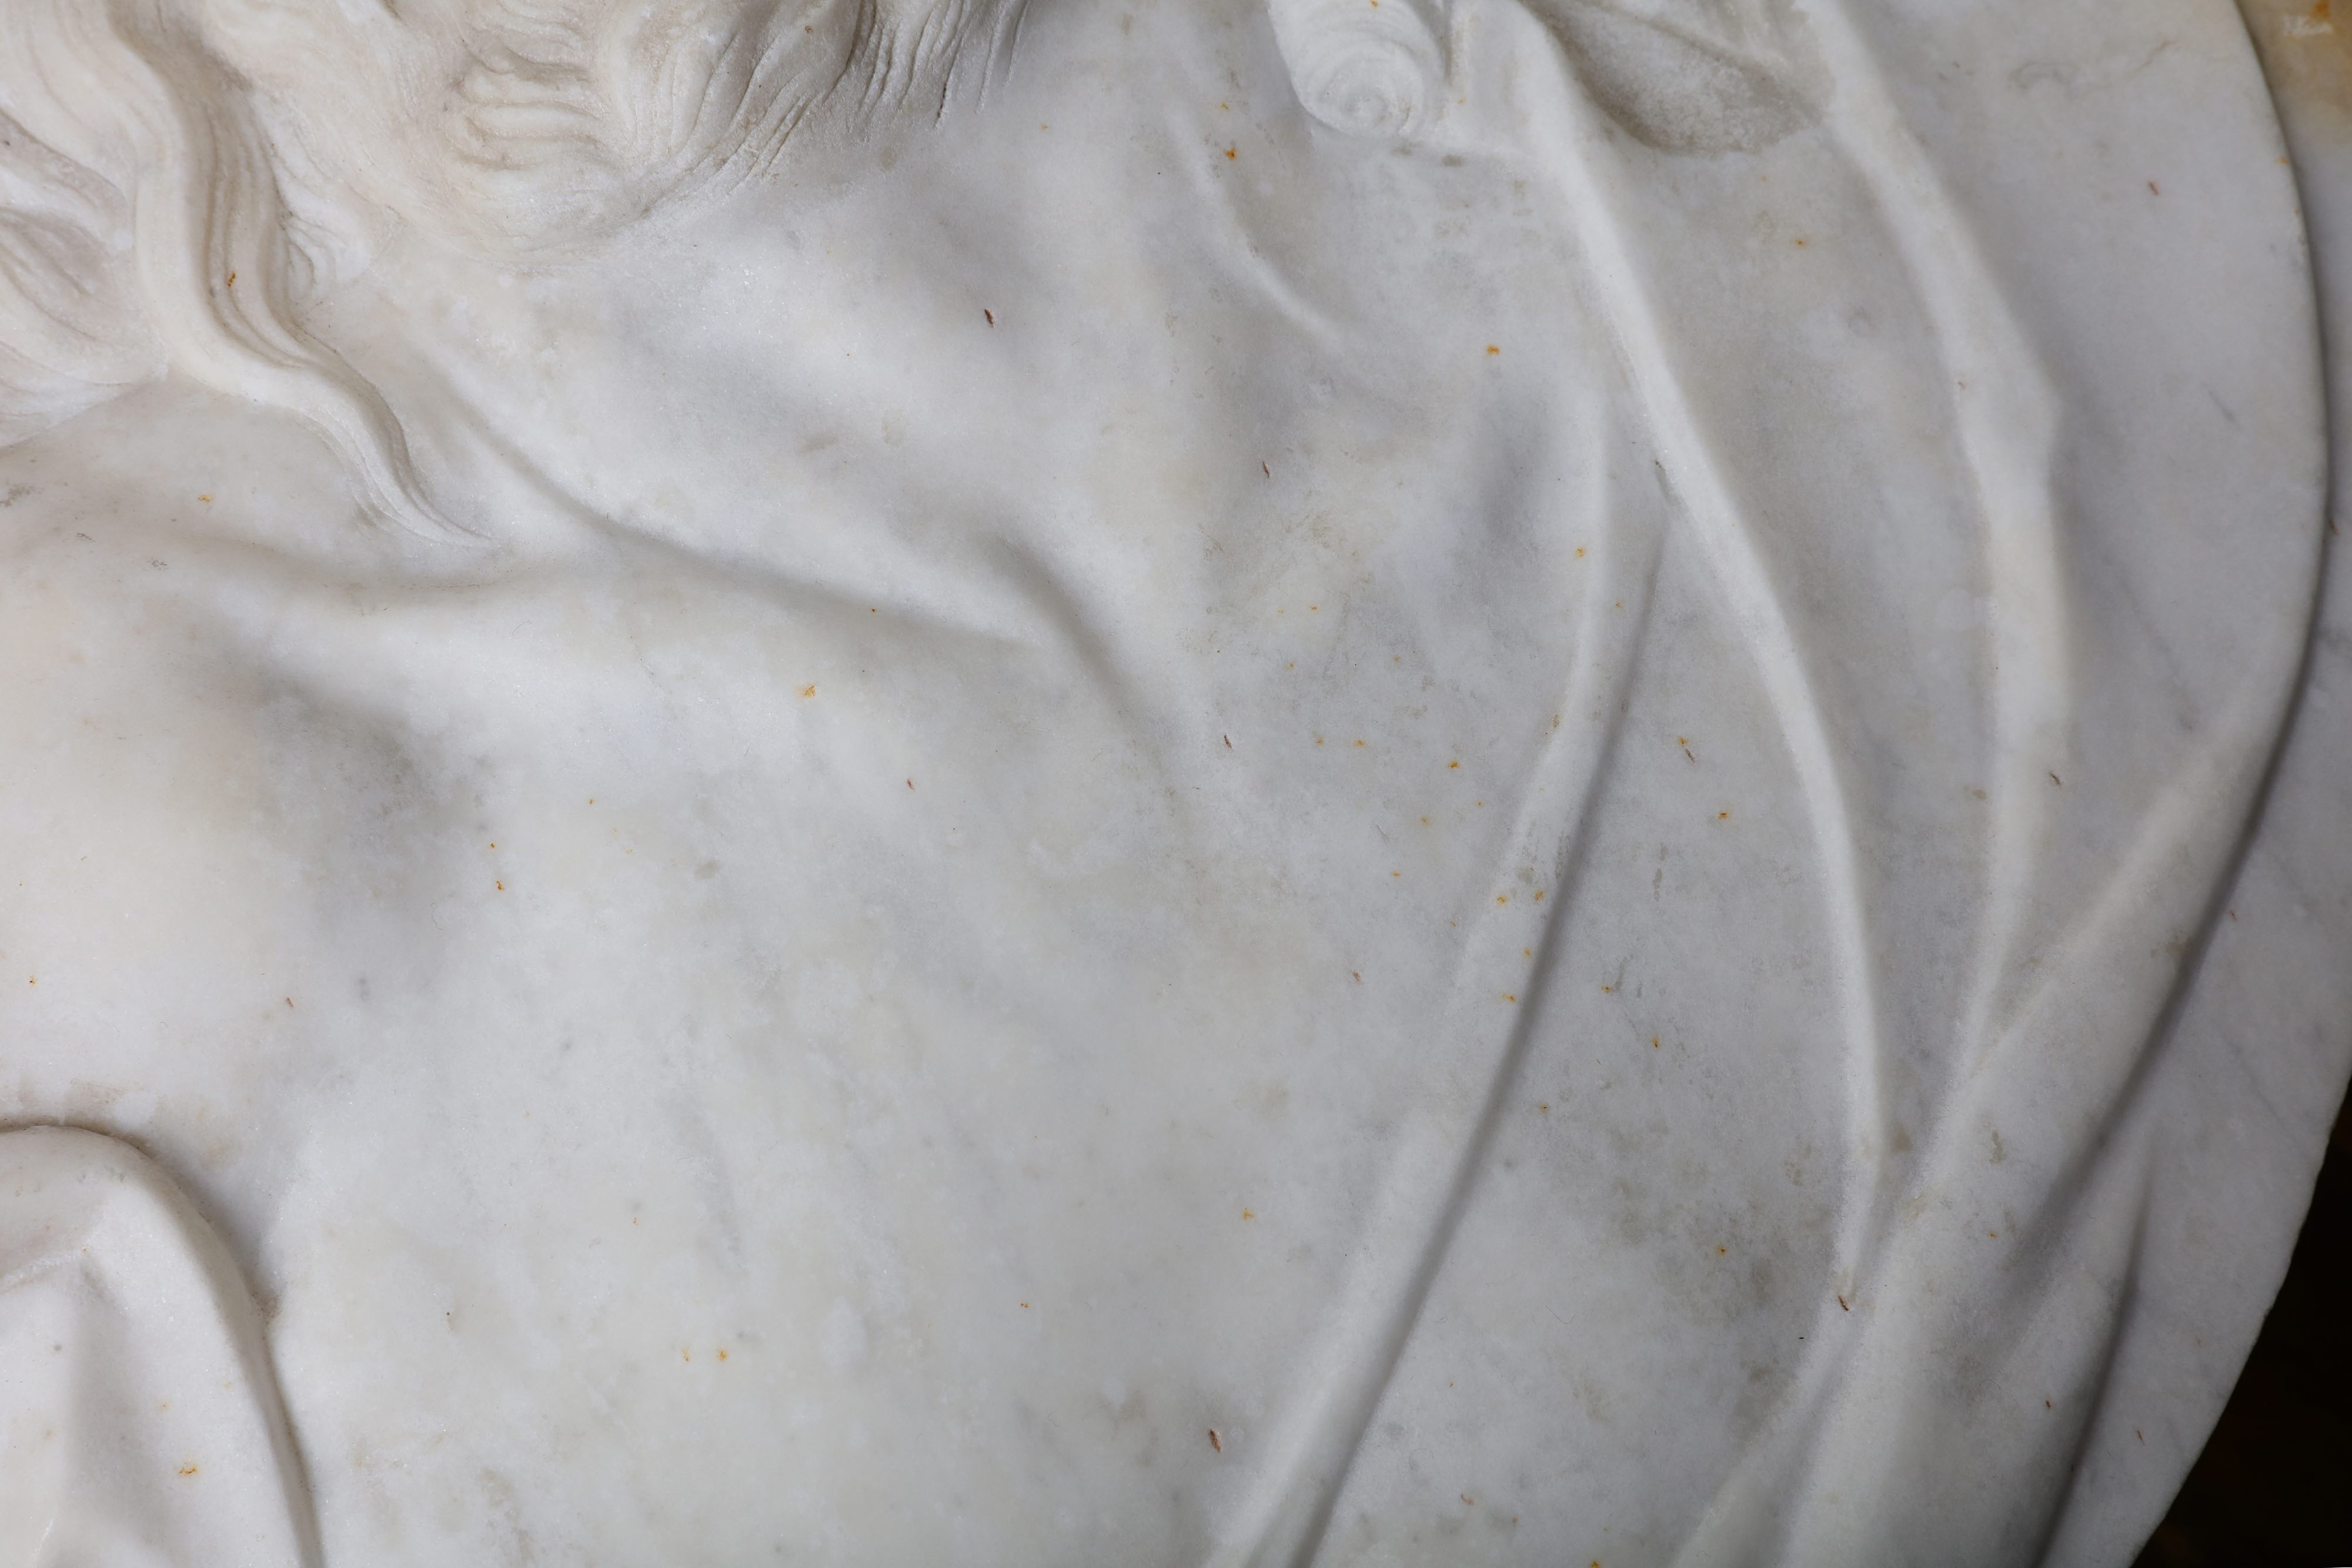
<point>2307,54</point>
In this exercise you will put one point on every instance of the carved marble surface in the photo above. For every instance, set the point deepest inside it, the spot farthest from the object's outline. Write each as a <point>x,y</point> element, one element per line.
<point>1234,783</point>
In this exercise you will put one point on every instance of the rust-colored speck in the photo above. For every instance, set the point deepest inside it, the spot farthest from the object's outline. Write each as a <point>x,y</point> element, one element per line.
<point>1544,1107</point>
<point>188,1470</point>
<point>1249,1214</point>
<point>1723,816</point>
<point>1233,153</point>
<point>991,314</point>
<point>2047,1405</point>
<point>1229,742</point>
<point>1455,763</point>
<point>1360,743</point>
<point>502,887</point>
<point>1539,895</point>
<point>1653,1042</point>
<point>1494,349</point>
<point>1579,552</point>
<point>232,280</point>
<point>1842,1306</point>
<point>1467,1502</point>
<point>1994,1234</point>
<point>1502,898</point>
<point>1216,1444</point>
<point>289,1001</point>
<point>1024,1306</point>
<point>1358,976</point>
<point>809,691</point>
<point>910,783</point>
<point>1719,1251</point>
<point>1267,471</point>
<point>1509,998</point>
<point>208,500</point>
<point>2152,189</point>
<point>685,1355</point>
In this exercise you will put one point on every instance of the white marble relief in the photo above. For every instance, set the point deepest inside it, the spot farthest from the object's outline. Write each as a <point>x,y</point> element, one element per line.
<point>1247,783</point>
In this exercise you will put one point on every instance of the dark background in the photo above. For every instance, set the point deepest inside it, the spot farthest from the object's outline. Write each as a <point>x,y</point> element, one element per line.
<point>2274,1487</point>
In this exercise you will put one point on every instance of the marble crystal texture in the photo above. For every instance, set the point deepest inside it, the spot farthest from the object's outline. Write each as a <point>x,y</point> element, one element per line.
<point>1233,782</point>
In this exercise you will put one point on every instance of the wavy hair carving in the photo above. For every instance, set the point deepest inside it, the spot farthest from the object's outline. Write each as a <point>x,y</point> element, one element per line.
<point>162,209</point>
<point>159,237</point>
